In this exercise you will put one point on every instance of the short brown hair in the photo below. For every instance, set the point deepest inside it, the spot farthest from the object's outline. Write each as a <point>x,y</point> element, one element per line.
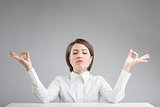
<point>68,51</point>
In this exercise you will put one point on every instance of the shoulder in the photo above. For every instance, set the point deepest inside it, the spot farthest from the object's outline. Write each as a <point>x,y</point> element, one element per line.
<point>100,81</point>
<point>61,77</point>
<point>97,78</point>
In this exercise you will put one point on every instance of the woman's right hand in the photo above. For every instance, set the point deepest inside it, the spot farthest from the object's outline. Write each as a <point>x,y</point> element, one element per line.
<point>26,62</point>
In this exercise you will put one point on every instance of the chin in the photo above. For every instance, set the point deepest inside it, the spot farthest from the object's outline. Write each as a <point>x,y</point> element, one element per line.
<point>81,67</point>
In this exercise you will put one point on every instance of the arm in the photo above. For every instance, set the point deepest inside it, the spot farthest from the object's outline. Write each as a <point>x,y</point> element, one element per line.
<point>38,89</point>
<point>43,94</point>
<point>118,92</point>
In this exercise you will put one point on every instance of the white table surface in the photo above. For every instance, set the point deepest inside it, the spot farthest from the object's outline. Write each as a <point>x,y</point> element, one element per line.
<point>79,105</point>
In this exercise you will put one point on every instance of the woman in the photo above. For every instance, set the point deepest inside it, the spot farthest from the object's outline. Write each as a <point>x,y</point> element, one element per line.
<point>80,86</point>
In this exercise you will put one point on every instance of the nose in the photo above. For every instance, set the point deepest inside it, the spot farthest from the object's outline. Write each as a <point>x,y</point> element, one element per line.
<point>80,55</point>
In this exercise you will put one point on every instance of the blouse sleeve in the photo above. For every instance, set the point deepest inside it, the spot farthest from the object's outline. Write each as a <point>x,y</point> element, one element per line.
<point>38,89</point>
<point>116,94</point>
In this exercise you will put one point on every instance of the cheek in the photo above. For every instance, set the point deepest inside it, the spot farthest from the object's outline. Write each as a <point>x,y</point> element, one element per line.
<point>72,59</point>
<point>88,60</point>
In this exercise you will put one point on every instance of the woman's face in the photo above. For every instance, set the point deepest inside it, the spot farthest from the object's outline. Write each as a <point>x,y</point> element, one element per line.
<point>80,58</point>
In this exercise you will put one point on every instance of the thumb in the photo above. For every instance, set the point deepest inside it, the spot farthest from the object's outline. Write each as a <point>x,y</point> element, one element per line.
<point>130,53</point>
<point>27,54</point>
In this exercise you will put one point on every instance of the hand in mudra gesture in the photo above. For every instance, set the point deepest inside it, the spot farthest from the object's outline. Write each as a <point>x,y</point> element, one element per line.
<point>26,62</point>
<point>130,61</point>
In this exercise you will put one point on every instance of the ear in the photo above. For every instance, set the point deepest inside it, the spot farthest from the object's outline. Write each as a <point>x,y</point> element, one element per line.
<point>69,59</point>
<point>91,58</point>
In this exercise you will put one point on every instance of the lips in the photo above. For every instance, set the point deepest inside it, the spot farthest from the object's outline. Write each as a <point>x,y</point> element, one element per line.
<point>80,61</point>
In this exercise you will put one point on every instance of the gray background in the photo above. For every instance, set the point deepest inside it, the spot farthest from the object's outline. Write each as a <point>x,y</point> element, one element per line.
<point>46,27</point>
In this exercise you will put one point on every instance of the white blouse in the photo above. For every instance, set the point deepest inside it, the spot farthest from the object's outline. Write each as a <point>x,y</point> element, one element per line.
<point>79,88</point>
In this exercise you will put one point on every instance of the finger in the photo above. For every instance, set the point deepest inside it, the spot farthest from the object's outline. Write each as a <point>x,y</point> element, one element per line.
<point>130,53</point>
<point>27,54</point>
<point>14,55</point>
<point>146,56</point>
<point>143,61</point>
<point>136,55</point>
<point>21,55</point>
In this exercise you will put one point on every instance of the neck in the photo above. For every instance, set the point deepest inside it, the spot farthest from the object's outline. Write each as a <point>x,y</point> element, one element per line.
<point>79,71</point>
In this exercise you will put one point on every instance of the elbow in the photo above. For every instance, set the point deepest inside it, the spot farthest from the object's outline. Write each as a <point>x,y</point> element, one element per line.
<point>44,101</point>
<point>116,99</point>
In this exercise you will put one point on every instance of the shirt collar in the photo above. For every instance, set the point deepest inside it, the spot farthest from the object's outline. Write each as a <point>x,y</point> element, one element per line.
<point>85,76</point>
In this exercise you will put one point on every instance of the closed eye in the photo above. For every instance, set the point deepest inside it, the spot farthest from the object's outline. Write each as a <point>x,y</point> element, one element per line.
<point>77,53</point>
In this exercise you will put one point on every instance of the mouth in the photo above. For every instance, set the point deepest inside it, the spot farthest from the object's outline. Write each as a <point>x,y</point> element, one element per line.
<point>79,61</point>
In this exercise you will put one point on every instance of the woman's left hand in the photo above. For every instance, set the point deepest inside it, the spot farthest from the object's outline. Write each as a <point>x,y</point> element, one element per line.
<point>132,61</point>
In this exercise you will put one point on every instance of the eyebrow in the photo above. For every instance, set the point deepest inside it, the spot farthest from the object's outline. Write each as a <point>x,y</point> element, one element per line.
<point>82,49</point>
